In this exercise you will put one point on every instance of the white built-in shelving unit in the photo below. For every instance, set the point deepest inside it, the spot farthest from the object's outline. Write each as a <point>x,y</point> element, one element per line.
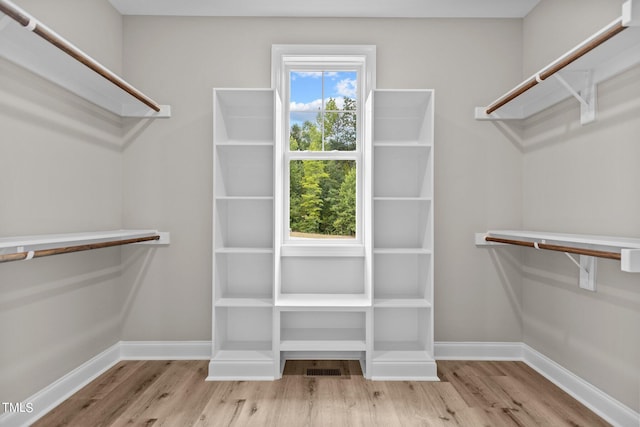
<point>403,235</point>
<point>371,300</point>
<point>243,251</point>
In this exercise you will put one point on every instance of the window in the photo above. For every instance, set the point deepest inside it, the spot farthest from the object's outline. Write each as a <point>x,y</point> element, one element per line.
<point>323,118</point>
<point>322,144</point>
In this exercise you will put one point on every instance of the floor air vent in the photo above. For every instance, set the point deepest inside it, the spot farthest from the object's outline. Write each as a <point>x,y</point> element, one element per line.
<point>323,372</point>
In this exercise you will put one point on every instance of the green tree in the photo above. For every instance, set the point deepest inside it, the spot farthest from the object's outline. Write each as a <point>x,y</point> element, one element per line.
<point>340,128</point>
<point>322,193</point>
<point>345,206</point>
<point>311,200</point>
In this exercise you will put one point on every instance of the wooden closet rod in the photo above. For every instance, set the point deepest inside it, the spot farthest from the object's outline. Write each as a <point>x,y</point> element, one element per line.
<point>558,248</point>
<point>55,251</point>
<point>32,24</point>
<point>596,41</point>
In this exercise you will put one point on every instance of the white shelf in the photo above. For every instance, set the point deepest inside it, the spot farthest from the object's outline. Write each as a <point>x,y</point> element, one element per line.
<point>395,352</point>
<point>608,59</point>
<point>244,250</point>
<point>234,143</point>
<point>307,330</point>
<point>322,339</point>
<point>402,199</point>
<point>409,302</point>
<point>403,328</point>
<point>403,116</point>
<point>401,251</point>
<point>628,248</point>
<point>400,276</point>
<point>584,240</point>
<point>244,222</point>
<point>244,302</point>
<point>403,144</point>
<point>322,250</point>
<point>243,116</point>
<point>246,350</point>
<point>323,300</point>
<point>322,275</point>
<point>402,172</point>
<point>403,225</point>
<point>27,49</point>
<point>244,198</point>
<point>9,245</point>
<point>246,329</point>
<point>243,170</point>
<point>243,276</point>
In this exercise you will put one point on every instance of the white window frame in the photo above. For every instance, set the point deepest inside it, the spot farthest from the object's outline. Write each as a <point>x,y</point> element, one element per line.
<point>288,58</point>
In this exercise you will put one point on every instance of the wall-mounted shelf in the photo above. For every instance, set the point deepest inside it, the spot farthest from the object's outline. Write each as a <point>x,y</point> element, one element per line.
<point>28,247</point>
<point>588,247</point>
<point>27,42</point>
<point>605,54</point>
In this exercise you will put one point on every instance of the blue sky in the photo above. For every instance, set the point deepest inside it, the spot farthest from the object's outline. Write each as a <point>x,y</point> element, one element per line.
<point>306,89</point>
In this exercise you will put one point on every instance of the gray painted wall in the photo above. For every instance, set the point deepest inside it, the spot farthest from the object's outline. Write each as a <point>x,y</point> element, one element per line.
<point>61,171</point>
<point>582,179</point>
<point>168,168</point>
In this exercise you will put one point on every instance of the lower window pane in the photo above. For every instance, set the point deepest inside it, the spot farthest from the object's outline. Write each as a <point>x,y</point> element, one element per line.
<point>322,200</point>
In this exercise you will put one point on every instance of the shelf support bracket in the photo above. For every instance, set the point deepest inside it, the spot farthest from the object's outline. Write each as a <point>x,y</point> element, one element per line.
<point>588,269</point>
<point>631,13</point>
<point>586,96</point>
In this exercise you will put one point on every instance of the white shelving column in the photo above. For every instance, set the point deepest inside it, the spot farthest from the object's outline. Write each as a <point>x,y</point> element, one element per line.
<point>243,210</point>
<point>403,236</point>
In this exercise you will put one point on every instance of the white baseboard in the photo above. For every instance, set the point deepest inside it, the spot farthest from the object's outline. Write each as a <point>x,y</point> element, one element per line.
<point>48,398</point>
<point>60,390</point>
<point>165,350</point>
<point>589,395</point>
<point>478,351</point>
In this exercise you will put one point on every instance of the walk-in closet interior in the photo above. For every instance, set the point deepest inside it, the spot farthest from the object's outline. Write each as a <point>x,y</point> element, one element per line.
<point>393,190</point>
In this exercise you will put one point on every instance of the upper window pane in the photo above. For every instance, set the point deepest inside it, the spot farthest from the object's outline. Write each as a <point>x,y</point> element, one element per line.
<point>322,110</point>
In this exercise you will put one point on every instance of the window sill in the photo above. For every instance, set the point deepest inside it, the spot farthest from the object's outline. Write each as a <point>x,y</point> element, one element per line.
<point>325,250</point>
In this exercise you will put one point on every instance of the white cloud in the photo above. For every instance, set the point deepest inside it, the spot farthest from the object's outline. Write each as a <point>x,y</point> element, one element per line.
<point>312,74</point>
<point>306,106</point>
<point>347,87</point>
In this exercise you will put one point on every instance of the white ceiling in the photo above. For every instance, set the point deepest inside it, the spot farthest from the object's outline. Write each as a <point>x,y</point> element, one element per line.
<point>330,8</point>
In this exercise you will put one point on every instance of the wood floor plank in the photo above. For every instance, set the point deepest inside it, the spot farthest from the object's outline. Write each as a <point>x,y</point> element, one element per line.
<point>107,409</point>
<point>175,398</point>
<point>220,409</point>
<point>175,393</point>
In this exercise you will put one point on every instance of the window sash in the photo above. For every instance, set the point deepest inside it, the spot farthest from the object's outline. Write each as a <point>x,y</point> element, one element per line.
<point>355,155</point>
<point>359,58</point>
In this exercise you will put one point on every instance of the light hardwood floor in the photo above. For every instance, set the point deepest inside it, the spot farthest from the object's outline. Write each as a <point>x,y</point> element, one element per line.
<point>174,393</point>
